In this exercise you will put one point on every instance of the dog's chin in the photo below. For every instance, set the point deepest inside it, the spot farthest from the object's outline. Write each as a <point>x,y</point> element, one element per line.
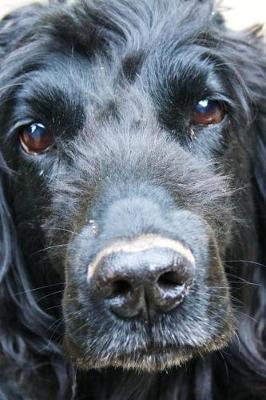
<point>146,360</point>
<point>139,361</point>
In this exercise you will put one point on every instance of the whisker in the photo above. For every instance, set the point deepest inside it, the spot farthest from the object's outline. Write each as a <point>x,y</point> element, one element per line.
<point>39,288</point>
<point>50,295</point>
<point>242,280</point>
<point>50,248</point>
<point>62,230</point>
<point>245,262</point>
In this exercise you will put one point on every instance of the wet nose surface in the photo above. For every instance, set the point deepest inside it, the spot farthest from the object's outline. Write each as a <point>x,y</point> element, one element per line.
<point>142,278</point>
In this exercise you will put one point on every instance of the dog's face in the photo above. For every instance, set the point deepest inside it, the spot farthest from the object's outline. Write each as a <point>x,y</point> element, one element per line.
<point>122,124</point>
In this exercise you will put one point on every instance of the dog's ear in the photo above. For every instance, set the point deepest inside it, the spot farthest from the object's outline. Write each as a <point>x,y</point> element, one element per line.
<point>5,231</point>
<point>13,29</point>
<point>24,326</point>
<point>257,86</point>
<point>24,336</point>
<point>251,58</point>
<point>245,53</point>
<point>250,55</point>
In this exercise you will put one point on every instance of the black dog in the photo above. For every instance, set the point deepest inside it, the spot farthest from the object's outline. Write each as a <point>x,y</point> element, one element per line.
<point>132,203</point>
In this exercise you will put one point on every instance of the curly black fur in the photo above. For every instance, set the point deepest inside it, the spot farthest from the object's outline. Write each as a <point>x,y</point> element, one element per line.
<point>116,82</point>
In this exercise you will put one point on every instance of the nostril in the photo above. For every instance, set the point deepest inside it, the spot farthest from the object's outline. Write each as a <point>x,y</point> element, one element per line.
<point>169,280</point>
<point>121,287</point>
<point>171,288</point>
<point>140,277</point>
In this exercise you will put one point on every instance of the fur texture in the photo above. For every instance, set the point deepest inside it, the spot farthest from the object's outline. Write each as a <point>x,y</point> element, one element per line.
<point>116,82</point>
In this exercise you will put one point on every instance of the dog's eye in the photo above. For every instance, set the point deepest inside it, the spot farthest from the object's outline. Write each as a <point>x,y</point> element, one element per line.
<point>36,139</point>
<point>208,112</point>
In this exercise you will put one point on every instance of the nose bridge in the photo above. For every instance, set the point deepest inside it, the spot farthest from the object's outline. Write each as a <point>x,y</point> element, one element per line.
<point>132,209</point>
<point>135,152</point>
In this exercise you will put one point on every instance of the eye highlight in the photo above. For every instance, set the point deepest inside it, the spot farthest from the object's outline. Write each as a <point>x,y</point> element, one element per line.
<point>36,139</point>
<point>208,112</point>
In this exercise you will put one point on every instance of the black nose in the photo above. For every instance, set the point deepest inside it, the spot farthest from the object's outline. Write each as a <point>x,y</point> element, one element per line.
<point>142,278</point>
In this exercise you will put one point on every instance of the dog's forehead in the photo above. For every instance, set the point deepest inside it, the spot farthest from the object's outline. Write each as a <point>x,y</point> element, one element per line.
<point>122,35</point>
<point>129,26</point>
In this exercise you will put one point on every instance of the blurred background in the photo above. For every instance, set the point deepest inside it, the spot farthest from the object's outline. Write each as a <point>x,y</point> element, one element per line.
<point>239,13</point>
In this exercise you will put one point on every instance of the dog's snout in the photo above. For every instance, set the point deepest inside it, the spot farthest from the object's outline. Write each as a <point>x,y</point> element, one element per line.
<point>142,278</point>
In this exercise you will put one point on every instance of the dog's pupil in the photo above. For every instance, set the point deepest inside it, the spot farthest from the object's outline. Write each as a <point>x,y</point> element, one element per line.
<point>36,131</point>
<point>206,106</point>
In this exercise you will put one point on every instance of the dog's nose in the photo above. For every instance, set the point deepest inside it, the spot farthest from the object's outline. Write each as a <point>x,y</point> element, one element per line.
<point>141,279</point>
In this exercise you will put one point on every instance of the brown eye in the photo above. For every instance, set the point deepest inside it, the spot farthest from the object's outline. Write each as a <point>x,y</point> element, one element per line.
<point>208,112</point>
<point>36,139</point>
